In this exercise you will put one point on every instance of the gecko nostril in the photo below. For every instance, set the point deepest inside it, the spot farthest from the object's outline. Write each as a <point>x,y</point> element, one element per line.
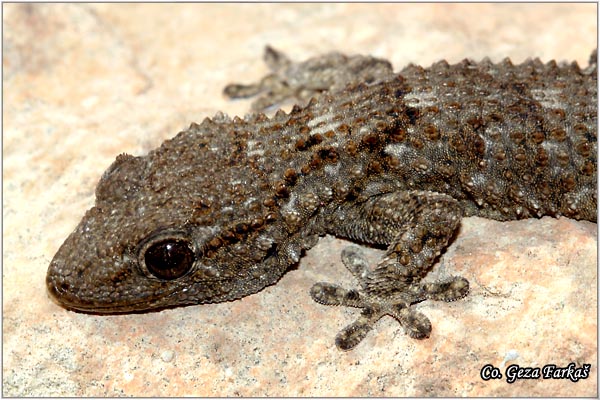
<point>64,287</point>
<point>56,288</point>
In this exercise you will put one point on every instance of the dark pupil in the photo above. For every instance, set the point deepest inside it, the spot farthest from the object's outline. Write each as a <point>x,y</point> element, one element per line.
<point>169,259</point>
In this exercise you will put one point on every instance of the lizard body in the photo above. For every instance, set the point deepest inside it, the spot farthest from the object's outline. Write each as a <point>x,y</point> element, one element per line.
<point>224,208</point>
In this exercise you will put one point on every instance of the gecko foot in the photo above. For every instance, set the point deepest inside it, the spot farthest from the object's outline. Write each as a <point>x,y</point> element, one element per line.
<point>383,292</point>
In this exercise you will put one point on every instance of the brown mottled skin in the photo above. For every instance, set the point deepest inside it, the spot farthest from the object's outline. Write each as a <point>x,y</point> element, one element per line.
<point>226,207</point>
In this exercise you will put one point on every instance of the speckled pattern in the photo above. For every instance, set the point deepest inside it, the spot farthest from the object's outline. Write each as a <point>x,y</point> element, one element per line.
<point>226,207</point>
<point>85,82</point>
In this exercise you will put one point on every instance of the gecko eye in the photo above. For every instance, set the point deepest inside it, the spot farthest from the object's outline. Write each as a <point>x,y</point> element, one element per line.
<point>169,258</point>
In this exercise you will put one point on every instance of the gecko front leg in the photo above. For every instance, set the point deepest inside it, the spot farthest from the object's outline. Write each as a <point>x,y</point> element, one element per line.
<point>416,226</point>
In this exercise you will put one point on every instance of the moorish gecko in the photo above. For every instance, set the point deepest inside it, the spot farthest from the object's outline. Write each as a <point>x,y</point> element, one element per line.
<point>226,207</point>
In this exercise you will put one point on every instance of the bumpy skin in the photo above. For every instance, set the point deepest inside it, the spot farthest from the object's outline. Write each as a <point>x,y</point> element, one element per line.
<point>225,207</point>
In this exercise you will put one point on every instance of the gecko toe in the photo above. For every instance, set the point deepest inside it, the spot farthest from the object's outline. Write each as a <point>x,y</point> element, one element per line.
<point>452,289</point>
<point>334,295</point>
<point>355,261</point>
<point>353,334</point>
<point>415,323</point>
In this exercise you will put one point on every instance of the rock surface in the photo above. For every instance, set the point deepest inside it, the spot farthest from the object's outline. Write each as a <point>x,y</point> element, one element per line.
<point>83,83</point>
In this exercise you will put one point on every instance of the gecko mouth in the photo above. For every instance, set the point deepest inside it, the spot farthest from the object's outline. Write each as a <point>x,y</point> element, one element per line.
<point>61,295</point>
<point>73,297</point>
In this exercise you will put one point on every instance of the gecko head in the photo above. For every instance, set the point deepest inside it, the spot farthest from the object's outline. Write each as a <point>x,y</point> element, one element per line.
<point>161,236</point>
<point>97,270</point>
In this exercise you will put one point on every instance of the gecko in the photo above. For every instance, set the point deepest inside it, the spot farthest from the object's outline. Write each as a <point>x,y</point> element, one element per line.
<point>395,160</point>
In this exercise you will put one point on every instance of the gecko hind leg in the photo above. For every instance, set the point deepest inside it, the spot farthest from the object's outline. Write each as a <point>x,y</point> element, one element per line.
<point>421,227</point>
<point>296,82</point>
<point>274,86</point>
